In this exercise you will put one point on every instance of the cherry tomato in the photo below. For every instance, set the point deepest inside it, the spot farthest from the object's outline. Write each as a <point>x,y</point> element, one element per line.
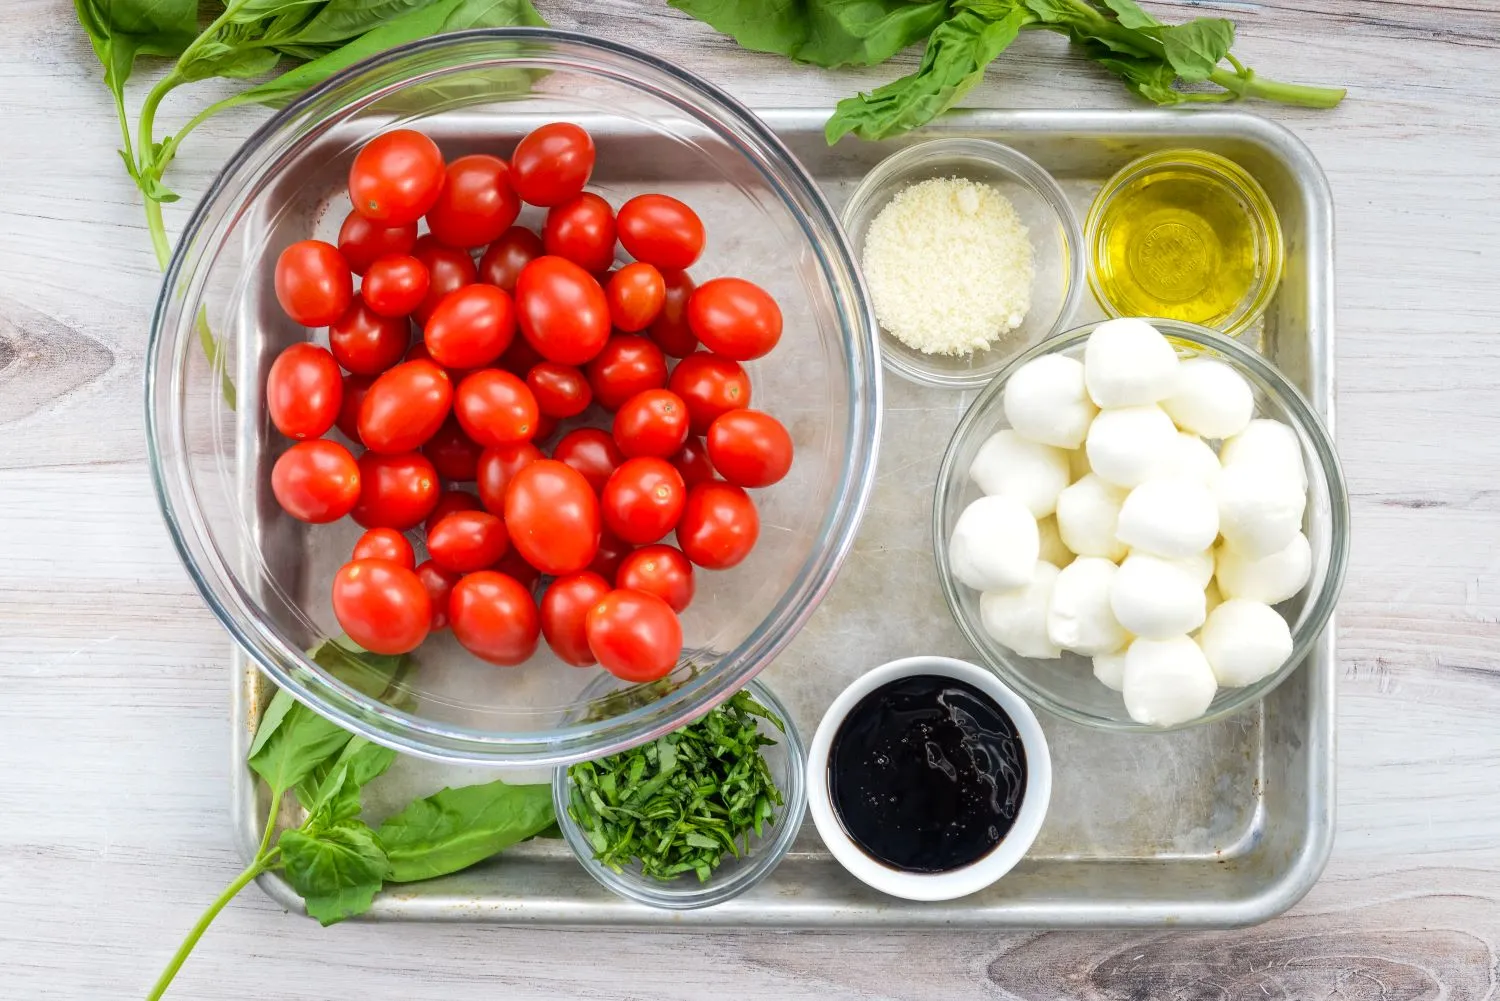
<point>552,164</point>
<point>659,570</point>
<point>454,455</point>
<point>304,391</point>
<point>313,283</point>
<point>643,500</point>
<point>520,357</point>
<point>395,285</point>
<point>661,231</point>
<point>709,385</point>
<point>565,607</point>
<point>355,388</point>
<point>749,448</point>
<point>494,617</point>
<point>448,270</point>
<point>582,229</point>
<point>719,525</point>
<point>670,329</point>
<point>652,423</point>
<point>405,407</point>
<point>396,177</point>
<point>628,364</point>
<point>735,318</point>
<point>635,294</point>
<point>466,541</point>
<point>591,451</point>
<point>503,260</point>
<point>560,390</point>
<point>450,502</point>
<point>316,481</point>
<point>553,517</point>
<point>382,605</point>
<point>470,327</point>
<point>634,635</point>
<point>497,466</point>
<point>612,552</point>
<point>545,427</point>
<point>476,204</point>
<point>495,408</point>
<point>363,242</point>
<point>512,565</point>
<point>395,491</point>
<point>385,544</point>
<point>439,586</point>
<point>693,462</point>
<point>366,343</point>
<point>561,310</point>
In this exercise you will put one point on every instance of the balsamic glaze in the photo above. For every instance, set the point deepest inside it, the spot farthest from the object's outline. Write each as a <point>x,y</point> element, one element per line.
<point>927,774</point>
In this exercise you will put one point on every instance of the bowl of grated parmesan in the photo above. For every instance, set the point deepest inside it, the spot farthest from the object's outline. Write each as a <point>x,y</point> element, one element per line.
<point>970,251</point>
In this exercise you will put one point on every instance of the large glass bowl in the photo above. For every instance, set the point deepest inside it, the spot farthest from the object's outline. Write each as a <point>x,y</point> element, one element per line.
<point>657,128</point>
<point>1066,685</point>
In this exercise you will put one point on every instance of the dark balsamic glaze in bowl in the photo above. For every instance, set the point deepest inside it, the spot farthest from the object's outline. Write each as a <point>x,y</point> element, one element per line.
<point>927,774</point>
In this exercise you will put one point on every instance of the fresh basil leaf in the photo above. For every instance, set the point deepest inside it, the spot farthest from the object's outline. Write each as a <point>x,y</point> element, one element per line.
<point>824,32</point>
<point>337,871</point>
<point>371,674</point>
<point>331,793</point>
<point>455,828</point>
<point>299,741</point>
<point>1130,14</point>
<point>1151,79</point>
<point>225,59</point>
<point>1195,49</point>
<point>121,30</point>
<point>251,11</point>
<point>344,19</point>
<point>493,14</point>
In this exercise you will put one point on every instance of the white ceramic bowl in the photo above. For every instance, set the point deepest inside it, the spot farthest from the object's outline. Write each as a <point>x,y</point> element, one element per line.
<point>955,882</point>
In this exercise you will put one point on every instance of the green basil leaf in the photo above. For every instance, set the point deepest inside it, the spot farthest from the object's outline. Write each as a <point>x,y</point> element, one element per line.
<point>251,11</point>
<point>121,30</point>
<point>371,674</point>
<point>344,19</point>
<point>337,871</point>
<point>1130,14</point>
<point>1195,49</point>
<point>330,794</point>
<point>824,32</point>
<point>298,742</point>
<point>216,58</point>
<point>1151,79</point>
<point>493,14</point>
<point>455,828</point>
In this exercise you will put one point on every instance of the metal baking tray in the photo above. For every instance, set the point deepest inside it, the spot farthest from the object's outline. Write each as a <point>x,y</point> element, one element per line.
<point>1223,825</point>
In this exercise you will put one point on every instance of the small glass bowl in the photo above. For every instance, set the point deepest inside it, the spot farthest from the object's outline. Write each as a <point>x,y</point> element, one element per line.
<point>1056,243</point>
<point>1066,685</point>
<point>787,759</point>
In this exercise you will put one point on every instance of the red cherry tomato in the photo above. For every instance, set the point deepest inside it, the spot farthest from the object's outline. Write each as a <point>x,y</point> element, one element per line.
<point>405,407</point>
<point>553,517</point>
<point>635,294</point>
<point>634,635</point>
<point>395,285</point>
<point>494,617</point>
<point>545,427</point>
<point>439,586</point>
<point>693,463</point>
<point>363,242</point>
<point>661,231</point>
<point>719,525</point>
<point>316,481</point>
<point>304,391</point>
<point>734,318</point>
<point>454,455</point>
<point>612,552</point>
<point>498,465</point>
<point>448,269</point>
<point>520,357</point>
<point>659,570</point>
<point>512,565</point>
<point>366,343</point>
<point>591,451</point>
<point>470,327</point>
<point>466,541</point>
<point>643,500</point>
<point>560,390</point>
<point>395,491</point>
<point>582,229</point>
<point>355,388</point>
<point>503,260</point>
<point>709,385</point>
<point>749,448</point>
<point>385,544</point>
<point>652,423</point>
<point>382,606</point>
<point>565,607</point>
<point>628,364</point>
<point>450,502</point>
<point>552,164</point>
<point>396,177</point>
<point>561,310</point>
<point>313,283</point>
<point>476,204</point>
<point>670,329</point>
<point>495,408</point>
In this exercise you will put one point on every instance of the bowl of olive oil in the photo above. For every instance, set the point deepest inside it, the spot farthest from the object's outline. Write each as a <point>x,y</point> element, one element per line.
<point>1187,235</point>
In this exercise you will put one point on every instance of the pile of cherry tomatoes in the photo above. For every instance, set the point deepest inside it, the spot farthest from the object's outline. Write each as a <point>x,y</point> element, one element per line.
<point>534,339</point>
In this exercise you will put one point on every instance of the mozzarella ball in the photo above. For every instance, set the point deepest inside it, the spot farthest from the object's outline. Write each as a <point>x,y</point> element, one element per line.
<point>1267,443</point>
<point>1245,641</point>
<point>1260,508</point>
<point>1045,401</point>
<point>1078,464</point>
<point>1109,668</point>
<point>1270,579</point>
<point>1127,363</point>
<point>1017,618</point>
<point>1088,513</point>
<point>1155,598</point>
<point>1210,399</point>
<point>1126,445</point>
<point>1167,681</point>
<point>994,544</point>
<point>1171,517</point>
<point>1079,617</point>
<point>1199,566</point>
<point>1190,456</point>
<point>1011,466</point>
<point>1051,547</point>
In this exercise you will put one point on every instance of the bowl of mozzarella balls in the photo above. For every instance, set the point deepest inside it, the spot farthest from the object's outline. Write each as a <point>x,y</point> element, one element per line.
<point>1141,525</point>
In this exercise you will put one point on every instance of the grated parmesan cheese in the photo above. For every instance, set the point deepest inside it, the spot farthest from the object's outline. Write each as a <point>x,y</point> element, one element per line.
<point>949,266</point>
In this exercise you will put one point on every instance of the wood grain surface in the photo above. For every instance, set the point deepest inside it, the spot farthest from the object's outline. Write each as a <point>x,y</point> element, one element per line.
<point>114,828</point>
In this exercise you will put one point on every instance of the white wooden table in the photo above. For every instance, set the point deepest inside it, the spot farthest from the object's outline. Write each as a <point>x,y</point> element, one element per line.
<point>114,828</point>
